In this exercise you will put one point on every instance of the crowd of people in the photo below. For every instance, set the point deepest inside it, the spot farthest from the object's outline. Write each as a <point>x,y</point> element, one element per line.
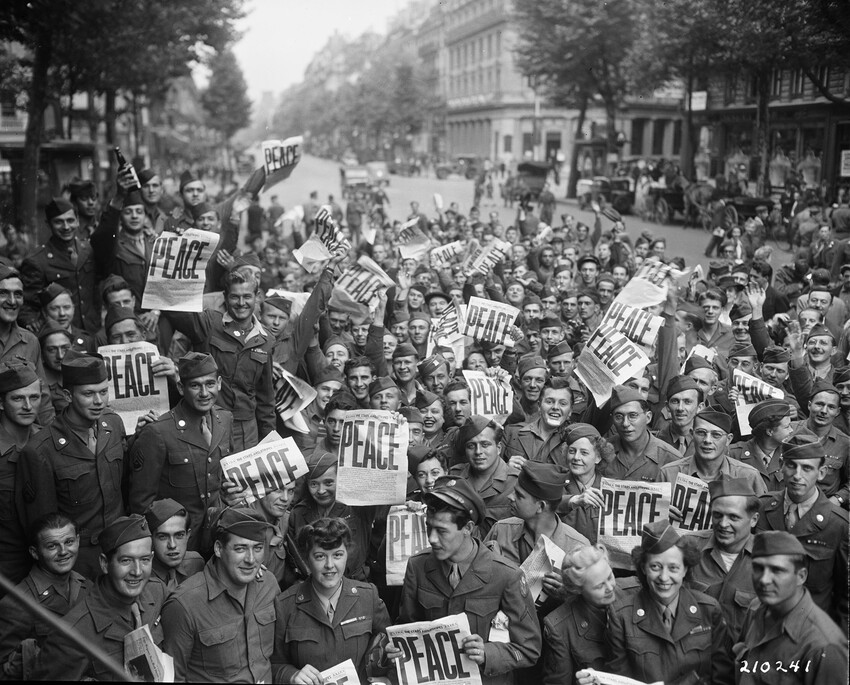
<point>110,531</point>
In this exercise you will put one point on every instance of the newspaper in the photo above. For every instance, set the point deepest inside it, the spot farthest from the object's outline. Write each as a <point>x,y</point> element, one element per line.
<point>637,325</point>
<point>647,287</point>
<point>280,157</point>
<point>544,558</point>
<point>344,673</point>
<point>488,396</point>
<point>362,280</point>
<point>372,459</point>
<point>133,389</point>
<point>176,275</point>
<point>431,652</point>
<point>318,248</point>
<point>628,505</point>
<point>267,467</point>
<point>690,496</point>
<point>609,358</point>
<point>144,661</point>
<point>406,536</point>
<point>751,391</point>
<point>292,395</point>
<point>613,679</point>
<point>490,321</point>
<point>487,259</point>
<point>445,254</point>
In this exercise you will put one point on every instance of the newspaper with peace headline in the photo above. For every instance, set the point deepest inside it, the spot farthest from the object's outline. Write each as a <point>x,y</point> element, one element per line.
<point>144,661</point>
<point>490,321</point>
<point>544,558</point>
<point>638,325</point>
<point>628,505</point>
<point>280,157</point>
<point>751,391</point>
<point>412,242</point>
<point>690,497</point>
<point>444,255</point>
<point>488,396</point>
<point>292,396</point>
<point>609,358</point>
<point>344,673</point>
<point>177,272</point>
<point>406,536</point>
<point>133,389</point>
<point>325,239</point>
<point>372,459</point>
<point>490,255</point>
<point>648,286</point>
<point>267,467</point>
<point>363,279</point>
<point>431,652</point>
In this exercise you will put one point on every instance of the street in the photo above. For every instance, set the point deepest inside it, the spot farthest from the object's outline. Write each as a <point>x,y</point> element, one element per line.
<point>322,175</point>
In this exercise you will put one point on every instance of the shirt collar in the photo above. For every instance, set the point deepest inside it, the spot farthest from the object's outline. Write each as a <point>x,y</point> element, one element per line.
<point>43,582</point>
<point>804,506</point>
<point>256,326</point>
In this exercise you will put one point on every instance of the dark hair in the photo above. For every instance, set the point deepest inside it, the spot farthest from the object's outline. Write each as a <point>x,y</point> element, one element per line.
<point>458,517</point>
<point>340,401</point>
<point>465,364</point>
<point>50,521</point>
<point>763,269</point>
<point>439,455</point>
<point>556,383</point>
<point>692,319</point>
<point>115,287</point>
<point>327,533</point>
<point>240,276</point>
<point>453,386</point>
<point>714,294</point>
<point>768,423</point>
<point>356,362</point>
<point>690,556</point>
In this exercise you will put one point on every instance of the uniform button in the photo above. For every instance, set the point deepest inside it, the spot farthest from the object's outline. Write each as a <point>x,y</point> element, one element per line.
<point>181,423</point>
<point>185,461</point>
<point>584,624</point>
<point>209,459</point>
<point>640,612</point>
<point>50,255</point>
<point>104,424</point>
<point>692,609</point>
<point>354,591</point>
<point>819,517</point>
<point>300,598</point>
<point>62,441</point>
<point>236,333</point>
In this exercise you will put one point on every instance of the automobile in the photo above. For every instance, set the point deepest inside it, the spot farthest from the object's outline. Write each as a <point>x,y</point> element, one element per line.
<point>379,173</point>
<point>353,179</point>
<point>468,166</point>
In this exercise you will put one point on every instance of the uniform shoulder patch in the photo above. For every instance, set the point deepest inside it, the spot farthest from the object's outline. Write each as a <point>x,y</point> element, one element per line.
<point>138,460</point>
<point>29,492</point>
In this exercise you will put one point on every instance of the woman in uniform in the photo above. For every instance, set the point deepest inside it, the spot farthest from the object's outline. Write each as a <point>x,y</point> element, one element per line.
<point>665,631</point>
<point>327,618</point>
<point>587,455</point>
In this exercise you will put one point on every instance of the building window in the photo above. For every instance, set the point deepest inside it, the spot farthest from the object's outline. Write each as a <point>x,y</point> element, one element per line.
<point>797,81</point>
<point>489,45</point>
<point>508,143</point>
<point>658,128</point>
<point>731,87</point>
<point>527,142</point>
<point>776,83</point>
<point>823,77</point>
<point>638,126</point>
<point>7,106</point>
<point>677,136</point>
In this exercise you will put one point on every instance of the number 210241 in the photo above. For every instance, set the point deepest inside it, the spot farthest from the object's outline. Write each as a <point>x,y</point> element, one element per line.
<point>767,666</point>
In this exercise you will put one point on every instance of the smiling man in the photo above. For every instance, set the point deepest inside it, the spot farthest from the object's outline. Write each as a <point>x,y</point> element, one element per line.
<point>541,439</point>
<point>802,510</point>
<point>788,630</point>
<point>684,400</point>
<point>220,624</point>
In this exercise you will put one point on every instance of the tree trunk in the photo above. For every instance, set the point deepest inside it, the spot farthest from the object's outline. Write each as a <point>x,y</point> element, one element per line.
<point>763,132</point>
<point>573,182</point>
<point>686,154</point>
<point>35,129</point>
<point>110,116</point>
<point>94,125</point>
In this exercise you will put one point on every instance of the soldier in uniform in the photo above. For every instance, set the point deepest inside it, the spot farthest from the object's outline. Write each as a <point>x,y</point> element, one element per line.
<point>328,618</point>
<point>178,455</point>
<point>64,259</point>
<point>541,439</point>
<point>52,583</point>
<point>172,561</point>
<point>461,574</point>
<point>488,475</point>
<point>803,510</point>
<point>76,465</point>
<point>55,342</point>
<point>770,421</point>
<point>725,567</point>
<point>787,631</point>
<point>220,624</point>
<point>57,307</point>
<point>20,396</point>
<point>122,600</point>
<point>666,631</point>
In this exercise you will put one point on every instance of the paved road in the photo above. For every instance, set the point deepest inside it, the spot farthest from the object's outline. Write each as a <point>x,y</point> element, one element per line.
<point>323,176</point>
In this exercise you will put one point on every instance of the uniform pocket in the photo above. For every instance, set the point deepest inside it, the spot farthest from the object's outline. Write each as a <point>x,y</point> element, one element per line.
<point>7,497</point>
<point>181,470</point>
<point>266,619</point>
<point>77,483</point>
<point>432,604</point>
<point>220,649</point>
<point>355,628</point>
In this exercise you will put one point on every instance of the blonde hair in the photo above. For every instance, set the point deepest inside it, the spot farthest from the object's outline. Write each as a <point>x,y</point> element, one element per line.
<point>576,563</point>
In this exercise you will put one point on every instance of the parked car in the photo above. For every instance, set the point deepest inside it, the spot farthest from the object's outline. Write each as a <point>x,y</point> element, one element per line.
<point>468,166</point>
<point>379,173</point>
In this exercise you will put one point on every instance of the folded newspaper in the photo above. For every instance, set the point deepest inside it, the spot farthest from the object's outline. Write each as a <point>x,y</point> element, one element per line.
<point>144,661</point>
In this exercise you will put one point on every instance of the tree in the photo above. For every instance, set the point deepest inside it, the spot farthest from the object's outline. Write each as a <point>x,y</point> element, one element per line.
<point>226,99</point>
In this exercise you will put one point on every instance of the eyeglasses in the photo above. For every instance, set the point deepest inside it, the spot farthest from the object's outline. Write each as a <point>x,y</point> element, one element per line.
<point>701,433</point>
<point>632,416</point>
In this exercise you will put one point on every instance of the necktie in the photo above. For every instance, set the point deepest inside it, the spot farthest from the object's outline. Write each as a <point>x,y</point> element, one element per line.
<point>667,619</point>
<point>137,616</point>
<point>791,517</point>
<point>766,460</point>
<point>454,576</point>
<point>330,612</point>
<point>92,441</point>
<point>172,580</point>
<point>205,430</point>
<point>72,254</point>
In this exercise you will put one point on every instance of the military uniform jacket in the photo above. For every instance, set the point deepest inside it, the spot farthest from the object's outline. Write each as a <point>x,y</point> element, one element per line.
<point>245,366</point>
<point>214,638</point>
<point>748,453</point>
<point>823,534</point>
<point>114,253</point>
<point>836,444</point>
<point>516,543</point>
<point>648,468</point>
<point>527,441</point>
<point>304,634</point>
<point>170,458</point>
<point>102,620</point>
<point>51,263</point>
<point>289,351</point>
<point>494,493</point>
<point>804,647</point>
<point>23,347</point>
<point>584,519</point>
<point>728,469</point>
<point>698,646</point>
<point>59,473</point>
<point>15,561</point>
<point>172,577</point>
<point>733,589</point>
<point>491,584</point>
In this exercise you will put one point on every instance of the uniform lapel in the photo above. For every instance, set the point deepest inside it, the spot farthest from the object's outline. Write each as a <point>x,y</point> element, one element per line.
<point>310,604</point>
<point>188,430</point>
<point>437,575</point>
<point>528,441</point>
<point>687,616</point>
<point>217,429</point>
<point>647,617</point>
<point>815,518</point>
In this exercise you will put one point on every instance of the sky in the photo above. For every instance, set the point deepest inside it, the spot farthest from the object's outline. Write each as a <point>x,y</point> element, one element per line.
<point>280,37</point>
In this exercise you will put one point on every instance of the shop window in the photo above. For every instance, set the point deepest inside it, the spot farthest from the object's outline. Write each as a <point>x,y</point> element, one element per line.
<point>508,143</point>
<point>730,89</point>
<point>638,126</point>
<point>658,127</point>
<point>527,142</point>
<point>677,137</point>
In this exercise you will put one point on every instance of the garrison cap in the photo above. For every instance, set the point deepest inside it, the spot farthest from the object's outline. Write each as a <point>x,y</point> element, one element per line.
<point>380,384</point>
<point>459,495</point>
<point>115,314</point>
<point>531,298</point>
<point>134,197</point>
<point>420,316</point>
<point>841,375</point>
<point>437,293</point>
<point>82,369</point>
<point>768,408</point>
<point>561,268</point>
<point>425,398</point>
<point>802,447</point>
<point>727,487</point>
<point>576,431</point>
<point>322,464</point>
<point>430,364</point>
<point>772,542</point>
<point>820,330</point>
<point>329,373</point>
<point>697,362</point>
<point>659,536</point>
<point>50,293</point>
<point>56,207</point>
<point>562,347</point>
<point>550,322</point>
<point>412,414</point>
<point>243,523</point>
<point>81,188</point>
<point>196,364</point>
<point>16,376</point>
<point>186,178</point>
<point>743,350</point>
<point>542,481</point>
<point>416,454</point>
<point>679,384</point>
<point>622,394</point>
<point>405,350</point>
<point>587,258</point>
<point>200,209</point>
<point>473,426</point>
<point>776,355</point>
<point>716,418</point>
<point>739,311</point>
<point>145,176</point>
<point>528,363</point>
<point>249,259</point>
<point>123,530</point>
<point>591,295</point>
<point>822,385</point>
<point>280,303</point>
<point>161,510</point>
<point>50,327</point>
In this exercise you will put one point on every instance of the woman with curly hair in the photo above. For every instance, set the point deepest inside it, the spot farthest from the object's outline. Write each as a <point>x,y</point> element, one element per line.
<point>587,454</point>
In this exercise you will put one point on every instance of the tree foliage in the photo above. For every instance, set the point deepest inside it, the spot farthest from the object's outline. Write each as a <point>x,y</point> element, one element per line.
<point>226,97</point>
